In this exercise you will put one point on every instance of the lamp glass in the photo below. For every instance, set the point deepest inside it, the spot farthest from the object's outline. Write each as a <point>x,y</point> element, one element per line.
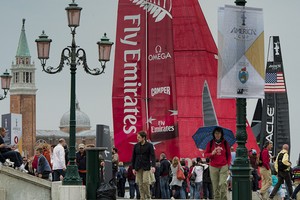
<point>104,52</point>
<point>5,81</point>
<point>43,49</point>
<point>73,16</point>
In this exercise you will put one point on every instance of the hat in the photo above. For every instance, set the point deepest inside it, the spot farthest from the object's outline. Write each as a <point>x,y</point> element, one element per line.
<point>81,146</point>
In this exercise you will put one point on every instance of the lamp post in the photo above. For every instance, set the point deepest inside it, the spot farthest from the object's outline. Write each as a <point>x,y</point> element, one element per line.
<point>73,56</point>
<point>5,83</point>
<point>241,168</point>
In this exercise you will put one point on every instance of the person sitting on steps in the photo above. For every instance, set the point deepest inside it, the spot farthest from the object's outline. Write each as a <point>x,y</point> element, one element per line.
<point>9,153</point>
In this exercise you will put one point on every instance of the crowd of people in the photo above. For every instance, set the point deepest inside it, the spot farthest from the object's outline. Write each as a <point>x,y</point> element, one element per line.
<point>48,162</point>
<point>208,178</point>
<point>163,178</point>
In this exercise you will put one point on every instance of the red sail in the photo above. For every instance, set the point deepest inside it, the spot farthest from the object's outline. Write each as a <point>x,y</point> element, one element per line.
<point>165,54</point>
<point>129,83</point>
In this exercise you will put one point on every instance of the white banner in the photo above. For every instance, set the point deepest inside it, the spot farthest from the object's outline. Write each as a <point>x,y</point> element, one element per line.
<point>12,122</point>
<point>241,52</point>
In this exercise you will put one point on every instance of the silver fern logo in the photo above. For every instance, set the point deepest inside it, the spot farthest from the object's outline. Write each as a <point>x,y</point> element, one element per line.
<point>159,9</point>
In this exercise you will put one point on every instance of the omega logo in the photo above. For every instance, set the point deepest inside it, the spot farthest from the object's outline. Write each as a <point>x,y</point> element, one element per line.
<point>158,54</point>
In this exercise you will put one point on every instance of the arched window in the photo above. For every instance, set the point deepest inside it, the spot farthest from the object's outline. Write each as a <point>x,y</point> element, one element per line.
<point>16,77</point>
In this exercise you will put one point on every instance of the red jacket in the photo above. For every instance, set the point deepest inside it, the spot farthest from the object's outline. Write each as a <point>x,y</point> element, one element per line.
<point>265,157</point>
<point>35,162</point>
<point>47,155</point>
<point>222,157</point>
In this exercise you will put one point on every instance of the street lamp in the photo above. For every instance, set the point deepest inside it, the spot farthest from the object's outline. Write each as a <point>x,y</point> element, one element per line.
<point>5,83</point>
<point>73,56</point>
<point>241,168</point>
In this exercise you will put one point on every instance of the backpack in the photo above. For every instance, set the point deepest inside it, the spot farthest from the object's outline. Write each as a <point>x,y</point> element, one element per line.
<point>122,174</point>
<point>281,165</point>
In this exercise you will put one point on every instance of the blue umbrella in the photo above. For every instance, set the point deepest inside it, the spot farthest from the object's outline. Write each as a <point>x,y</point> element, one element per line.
<point>204,135</point>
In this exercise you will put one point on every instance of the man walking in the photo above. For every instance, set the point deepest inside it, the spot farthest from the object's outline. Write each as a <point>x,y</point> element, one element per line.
<point>164,176</point>
<point>59,162</point>
<point>282,167</point>
<point>143,160</point>
<point>265,170</point>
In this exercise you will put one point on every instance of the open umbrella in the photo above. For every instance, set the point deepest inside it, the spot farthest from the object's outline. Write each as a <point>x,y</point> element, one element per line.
<point>204,135</point>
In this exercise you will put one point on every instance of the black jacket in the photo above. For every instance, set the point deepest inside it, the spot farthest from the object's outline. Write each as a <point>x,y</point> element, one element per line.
<point>143,156</point>
<point>4,149</point>
<point>164,167</point>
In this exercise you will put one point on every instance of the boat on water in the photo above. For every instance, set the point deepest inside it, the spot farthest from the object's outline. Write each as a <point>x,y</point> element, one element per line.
<point>271,118</point>
<point>165,78</point>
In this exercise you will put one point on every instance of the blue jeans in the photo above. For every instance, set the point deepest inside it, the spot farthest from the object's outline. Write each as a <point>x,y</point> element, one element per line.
<point>133,187</point>
<point>207,190</point>
<point>198,186</point>
<point>179,192</point>
<point>13,156</point>
<point>164,187</point>
<point>192,191</point>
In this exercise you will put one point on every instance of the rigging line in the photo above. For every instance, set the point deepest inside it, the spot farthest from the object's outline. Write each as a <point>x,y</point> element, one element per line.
<point>146,71</point>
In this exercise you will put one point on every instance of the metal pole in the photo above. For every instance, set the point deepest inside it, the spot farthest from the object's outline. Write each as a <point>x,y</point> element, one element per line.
<point>241,179</point>
<point>72,176</point>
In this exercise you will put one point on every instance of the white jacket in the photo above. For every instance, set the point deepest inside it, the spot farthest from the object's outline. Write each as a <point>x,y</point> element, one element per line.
<point>199,172</point>
<point>59,161</point>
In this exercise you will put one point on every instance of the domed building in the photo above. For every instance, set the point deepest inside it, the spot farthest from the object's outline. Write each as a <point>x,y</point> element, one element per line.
<point>84,134</point>
<point>82,121</point>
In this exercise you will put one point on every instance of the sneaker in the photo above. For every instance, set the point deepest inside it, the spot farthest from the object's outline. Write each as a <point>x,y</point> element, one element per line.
<point>9,163</point>
<point>22,169</point>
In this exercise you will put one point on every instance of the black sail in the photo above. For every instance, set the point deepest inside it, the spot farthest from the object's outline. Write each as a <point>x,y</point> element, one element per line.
<point>275,125</point>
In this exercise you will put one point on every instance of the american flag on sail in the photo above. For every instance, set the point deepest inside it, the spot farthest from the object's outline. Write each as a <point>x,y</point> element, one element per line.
<point>275,82</point>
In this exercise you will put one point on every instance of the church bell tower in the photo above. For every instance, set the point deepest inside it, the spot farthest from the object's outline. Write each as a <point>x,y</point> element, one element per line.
<point>23,93</point>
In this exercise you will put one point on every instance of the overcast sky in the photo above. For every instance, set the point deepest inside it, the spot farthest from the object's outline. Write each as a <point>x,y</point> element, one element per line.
<point>98,16</point>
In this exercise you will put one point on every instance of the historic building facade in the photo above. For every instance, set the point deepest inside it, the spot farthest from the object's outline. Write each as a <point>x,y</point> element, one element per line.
<point>23,92</point>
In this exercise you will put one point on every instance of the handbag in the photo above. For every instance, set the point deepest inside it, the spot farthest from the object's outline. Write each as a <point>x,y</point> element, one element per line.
<point>180,174</point>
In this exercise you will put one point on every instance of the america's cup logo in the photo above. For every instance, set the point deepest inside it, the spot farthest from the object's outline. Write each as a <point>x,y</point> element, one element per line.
<point>159,9</point>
